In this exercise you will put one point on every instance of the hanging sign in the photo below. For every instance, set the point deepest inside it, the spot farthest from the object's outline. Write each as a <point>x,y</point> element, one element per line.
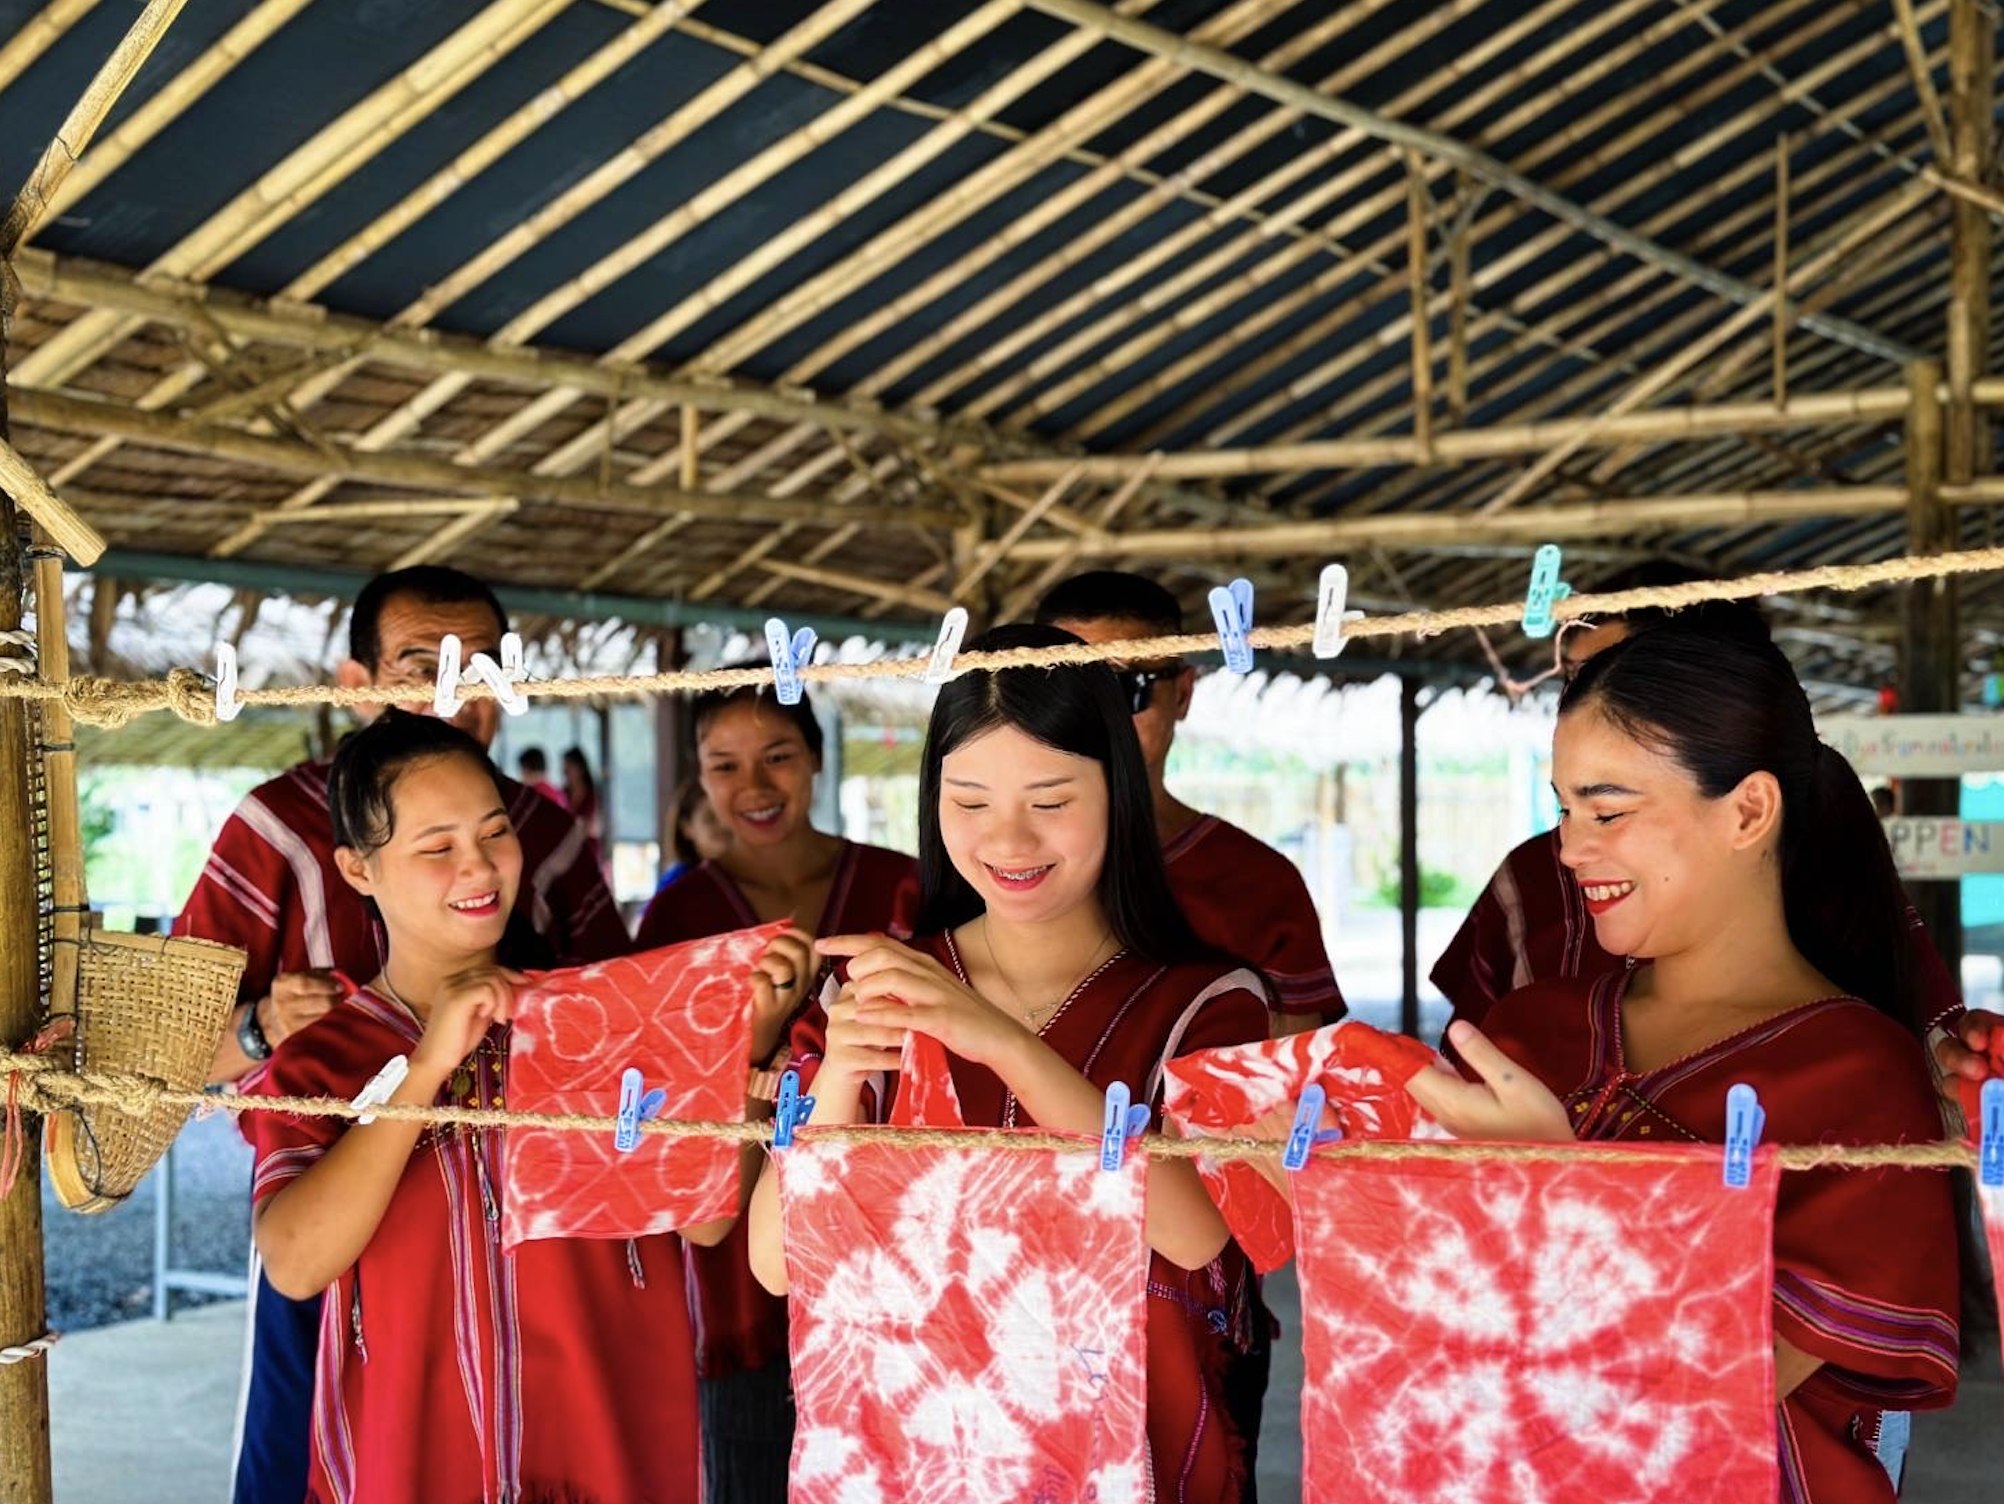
<point>1918,746</point>
<point>1940,846</point>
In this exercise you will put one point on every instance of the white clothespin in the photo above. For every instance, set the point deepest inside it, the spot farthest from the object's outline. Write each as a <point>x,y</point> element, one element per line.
<point>505,677</point>
<point>445,695</point>
<point>228,707</point>
<point>952,627</point>
<point>1332,594</point>
<point>789,656</point>
<point>1232,611</point>
<point>382,1086</point>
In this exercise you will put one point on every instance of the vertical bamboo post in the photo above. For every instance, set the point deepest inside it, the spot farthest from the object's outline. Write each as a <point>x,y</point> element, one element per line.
<point>1781,308</point>
<point>1409,855</point>
<point>672,759</point>
<point>1416,270</point>
<point>1972,66</point>
<point>1458,299</point>
<point>1930,660</point>
<point>24,1312</point>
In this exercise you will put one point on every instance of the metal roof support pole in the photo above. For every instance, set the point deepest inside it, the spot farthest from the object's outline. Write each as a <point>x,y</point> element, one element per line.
<point>24,1311</point>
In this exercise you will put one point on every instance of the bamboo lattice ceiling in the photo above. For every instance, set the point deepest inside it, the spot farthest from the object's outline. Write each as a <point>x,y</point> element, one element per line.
<point>813,307</point>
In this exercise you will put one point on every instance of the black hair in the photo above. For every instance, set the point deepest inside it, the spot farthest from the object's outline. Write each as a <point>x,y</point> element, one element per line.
<point>1111,595</point>
<point>711,703</point>
<point>1741,619</point>
<point>362,782</point>
<point>430,585</point>
<point>1077,709</point>
<point>532,760</point>
<point>687,797</point>
<point>1724,707</point>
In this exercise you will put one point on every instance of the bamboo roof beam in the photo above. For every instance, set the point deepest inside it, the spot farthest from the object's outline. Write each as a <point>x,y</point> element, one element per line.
<point>1013,168</point>
<point>1055,207</point>
<point>1932,114</point>
<point>307,174</point>
<point>1153,296</point>
<point>1192,54</point>
<point>52,514</point>
<point>166,105</point>
<point>442,544</point>
<point>74,136</point>
<point>1603,519</point>
<point>80,415</point>
<point>860,584</point>
<point>1456,446</point>
<point>43,30</point>
<point>1391,284</point>
<point>1030,591</point>
<point>187,305</point>
<point>833,544</point>
<point>1638,289</point>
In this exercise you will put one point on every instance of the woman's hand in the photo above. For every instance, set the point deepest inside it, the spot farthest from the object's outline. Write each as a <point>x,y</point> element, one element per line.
<point>898,988</point>
<point>465,1008</point>
<point>779,986</point>
<point>1508,1103</point>
<point>856,1050</point>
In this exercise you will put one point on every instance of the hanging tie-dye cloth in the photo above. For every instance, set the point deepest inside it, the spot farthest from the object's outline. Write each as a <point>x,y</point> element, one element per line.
<point>681,1016</point>
<point>1251,1090</point>
<point>1498,1331</point>
<point>968,1325</point>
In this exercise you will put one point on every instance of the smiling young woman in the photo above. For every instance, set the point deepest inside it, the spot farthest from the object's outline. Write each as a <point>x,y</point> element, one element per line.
<point>1738,860</point>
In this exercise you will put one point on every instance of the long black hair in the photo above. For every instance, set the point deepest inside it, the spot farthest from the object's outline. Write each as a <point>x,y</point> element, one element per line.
<point>1076,709</point>
<point>361,786</point>
<point>711,703</point>
<point>1724,706</point>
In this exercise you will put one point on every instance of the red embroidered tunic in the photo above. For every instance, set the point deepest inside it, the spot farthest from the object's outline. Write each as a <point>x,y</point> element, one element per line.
<point>450,1371</point>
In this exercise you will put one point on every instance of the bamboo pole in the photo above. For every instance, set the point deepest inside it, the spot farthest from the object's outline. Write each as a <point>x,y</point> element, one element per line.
<point>859,584</point>
<point>167,104</point>
<point>1031,591</point>
<point>1972,66</point>
<point>996,549</point>
<point>1930,662</point>
<point>86,415</point>
<point>442,543</point>
<point>1923,78</point>
<point>307,174</point>
<point>1780,276</point>
<point>1655,425</point>
<point>1417,200</point>
<point>18,479</point>
<point>1683,93</point>
<point>24,1312</point>
<point>1619,517</point>
<point>1199,57</point>
<point>1459,298</point>
<point>74,135</point>
<point>48,27</point>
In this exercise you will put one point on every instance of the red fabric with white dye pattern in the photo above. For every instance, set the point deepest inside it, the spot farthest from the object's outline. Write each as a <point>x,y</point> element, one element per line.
<point>1251,1090</point>
<point>1499,1332</point>
<point>968,1324</point>
<point>1993,1227</point>
<point>681,1016</point>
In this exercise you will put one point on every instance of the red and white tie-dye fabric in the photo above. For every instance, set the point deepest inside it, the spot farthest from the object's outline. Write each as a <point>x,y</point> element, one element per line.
<point>1252,1089</point>
<point>1531,1332</point>
<point>681,1016</point>
<point>1993,1227</point>
<point>968,1325</point>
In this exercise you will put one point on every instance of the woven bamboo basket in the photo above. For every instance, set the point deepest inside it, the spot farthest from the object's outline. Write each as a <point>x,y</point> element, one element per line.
<point>143,1005</point>
<point>147,1005</point>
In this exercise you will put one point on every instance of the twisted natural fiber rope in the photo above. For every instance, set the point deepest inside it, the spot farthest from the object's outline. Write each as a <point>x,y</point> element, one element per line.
<point>48,1088</point>
<point>191,696</point>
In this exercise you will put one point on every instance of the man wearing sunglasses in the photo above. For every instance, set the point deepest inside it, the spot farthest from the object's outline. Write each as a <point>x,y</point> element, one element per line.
<point>1239,894</point>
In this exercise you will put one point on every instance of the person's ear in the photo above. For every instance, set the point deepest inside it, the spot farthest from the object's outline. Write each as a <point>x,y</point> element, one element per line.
<point>1756,808</point>
<point>352,673</point>
<point>354,870</point>
<point>1186,687</point>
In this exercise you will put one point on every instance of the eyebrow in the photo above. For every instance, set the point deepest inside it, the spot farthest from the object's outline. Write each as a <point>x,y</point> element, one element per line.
<point>450,826</point>
<point>1601,791</point>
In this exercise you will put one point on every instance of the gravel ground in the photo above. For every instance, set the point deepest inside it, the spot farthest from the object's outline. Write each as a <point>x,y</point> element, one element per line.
<point>100,1269</point>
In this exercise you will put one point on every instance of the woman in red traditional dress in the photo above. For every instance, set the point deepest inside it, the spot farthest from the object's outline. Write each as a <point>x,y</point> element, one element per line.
<point>1053,962</point>
<point>447,1371</point>
<point>757,760</point>
<point>1716,840</point>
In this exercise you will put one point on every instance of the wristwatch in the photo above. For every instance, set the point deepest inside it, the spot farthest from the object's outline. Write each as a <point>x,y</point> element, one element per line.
<point>250,1035</point>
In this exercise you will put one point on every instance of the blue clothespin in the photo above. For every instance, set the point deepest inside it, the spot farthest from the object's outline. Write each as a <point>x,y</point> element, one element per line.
<point>1745,1118</point>
<point>1122,1122</point>
<point>1990,1137</point>
<point>1546,591</point>
<point>634,1108</point>
<point>1308,1132</point>
<point>1232,610</point>
<point>791,1111</point>
<point>789,656</point>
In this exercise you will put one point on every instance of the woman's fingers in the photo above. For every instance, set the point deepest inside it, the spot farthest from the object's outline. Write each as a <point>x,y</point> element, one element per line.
<point>1445,1098</point>
<point>1488,1062</point>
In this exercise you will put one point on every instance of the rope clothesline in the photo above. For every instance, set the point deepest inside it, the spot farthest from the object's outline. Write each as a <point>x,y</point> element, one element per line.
<point>47,1087</point>
<point>190,695</point>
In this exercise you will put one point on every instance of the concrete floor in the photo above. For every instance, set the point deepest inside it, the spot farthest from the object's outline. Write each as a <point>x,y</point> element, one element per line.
<point>144,1413</point>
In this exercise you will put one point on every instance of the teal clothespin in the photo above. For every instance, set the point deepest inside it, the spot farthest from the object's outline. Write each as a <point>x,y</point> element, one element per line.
<point>1546,591</point>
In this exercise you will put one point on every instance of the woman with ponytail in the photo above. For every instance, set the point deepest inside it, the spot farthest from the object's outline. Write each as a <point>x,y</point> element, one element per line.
<point>1738,862</point>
